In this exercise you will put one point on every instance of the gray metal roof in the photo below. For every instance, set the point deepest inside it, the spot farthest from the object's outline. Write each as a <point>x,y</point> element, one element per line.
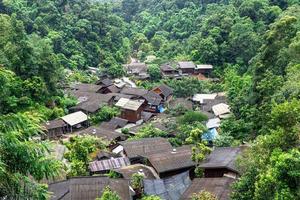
<point>75,118</point>
<point>108,164</point>
<point>168,189</point>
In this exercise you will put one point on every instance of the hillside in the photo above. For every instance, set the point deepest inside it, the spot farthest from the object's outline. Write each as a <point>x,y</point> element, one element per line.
<point>58,57</point>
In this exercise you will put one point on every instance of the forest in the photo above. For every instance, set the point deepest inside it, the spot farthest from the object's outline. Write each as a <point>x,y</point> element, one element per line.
<point>254,46</point>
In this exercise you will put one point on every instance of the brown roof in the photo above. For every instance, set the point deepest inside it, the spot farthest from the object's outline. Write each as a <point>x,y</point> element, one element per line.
<point>93,103</point>
<point>153,98</point>
<point>128,171</point>
<point>145,146</point>
<point>134,91</point>
<point>86,87</point>
<point>186,65</point>
<point>57,123</point>
<point>106,134</point>
<point>104,82</point>
<point>171,160</point>
<point>113,89</point>
<point>222,157</point>
<point>108,164</point>
<point>181,101</point>
<point>165,90</point>
<point>168,67</point>
<point>220,187</point>
<point>146,116</point>
<point>88,188</point>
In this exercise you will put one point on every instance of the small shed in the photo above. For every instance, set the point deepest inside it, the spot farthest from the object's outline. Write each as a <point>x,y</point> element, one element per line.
<point>221,162</point>
<point>220,187</point>
<point>169,70</point>
<point>54,129</point>
<point>75,120</point>
<point>175,161</point>
<point>136,149</point>
<point>131,110</point>
<point>104,166</point>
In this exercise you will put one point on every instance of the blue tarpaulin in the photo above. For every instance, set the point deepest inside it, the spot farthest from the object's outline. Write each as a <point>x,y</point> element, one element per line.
<point>210,135</point>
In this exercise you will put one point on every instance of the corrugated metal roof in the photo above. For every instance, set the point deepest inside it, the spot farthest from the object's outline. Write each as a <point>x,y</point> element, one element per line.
<point>213,123</point>
<point>130,104</point>
<point>168,189</point>
<point>75,118</point>
<point>201,97</point>
<point>186,65</point>
<point>221,109</point>
<point>204,67</point>
<point>104,165</point>
<point>220,187</point>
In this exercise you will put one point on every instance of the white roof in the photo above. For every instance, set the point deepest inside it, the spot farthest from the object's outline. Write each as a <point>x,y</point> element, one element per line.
<point>122,102</point>
<point>221,109</point>
<point>118,149</point>
<point>201,97</point>
<point>204,67</point>
<point>213,123</point>
<point>129,104</point>
<point>75,118</point>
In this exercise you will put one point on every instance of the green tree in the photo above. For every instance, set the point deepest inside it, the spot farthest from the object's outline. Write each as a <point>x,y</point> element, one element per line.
<point>154,72</point>
<point>108,194</point>
<point>204,195</point>
<point>106,113</point>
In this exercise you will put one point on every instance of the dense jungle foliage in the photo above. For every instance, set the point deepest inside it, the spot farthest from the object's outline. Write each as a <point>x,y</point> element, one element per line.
<point>254,46</point>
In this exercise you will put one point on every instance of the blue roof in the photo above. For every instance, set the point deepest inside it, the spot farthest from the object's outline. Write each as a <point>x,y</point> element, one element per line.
<point>210,135</point>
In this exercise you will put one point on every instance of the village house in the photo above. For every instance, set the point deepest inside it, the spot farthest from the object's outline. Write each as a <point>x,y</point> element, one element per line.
<point>75,121</point>
<point>93,103</point>
<point>221,162</point>
<point>219,187</point>
<point>204,70</point>
<point>186,68</point>
<point>135,150</point>
<point>154,102</point>
<point>53,129</point>
<point>131,110</point>
<point>138,70</point>
<point>110,136</point>
<point>164,91</point>
<point>172,162</point>
<point>170,188</point>
<point>169,70</point>
<point>88,188</point>
<point>104,166</point>
<point>137,92</point>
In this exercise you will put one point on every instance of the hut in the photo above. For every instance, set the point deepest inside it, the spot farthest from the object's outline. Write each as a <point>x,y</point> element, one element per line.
<point>75,120</point>
<point>54,129</point>
<point>131,110</point>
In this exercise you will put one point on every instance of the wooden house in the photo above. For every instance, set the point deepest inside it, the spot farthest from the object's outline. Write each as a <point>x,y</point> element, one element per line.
<point>93,103</point>
<point>54,129</point>
<point>221,162</point>
<point>203,69</point>
<point>186,68</point>
<point>169,70</point>
<point>154,102</point>
<point>219,187</point>
<point>138,70</point>
<point>172,162</point>
<point>131,110</point>
<point>164,91</point>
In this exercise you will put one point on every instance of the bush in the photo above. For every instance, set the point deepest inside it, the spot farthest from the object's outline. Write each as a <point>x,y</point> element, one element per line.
<point>191,117</point>
<point>105,114</point>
